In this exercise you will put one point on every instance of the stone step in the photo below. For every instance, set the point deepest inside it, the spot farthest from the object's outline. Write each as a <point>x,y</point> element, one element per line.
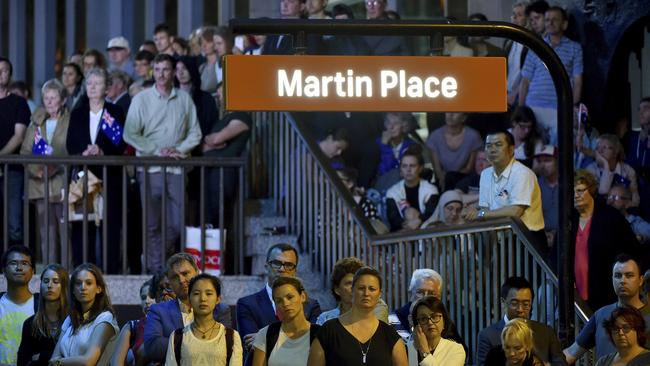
<point>259,244</point>
<point>124,289</point>
<point>256,225</point>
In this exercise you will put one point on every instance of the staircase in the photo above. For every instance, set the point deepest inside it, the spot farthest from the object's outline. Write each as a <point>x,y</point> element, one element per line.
<point>260,217</point>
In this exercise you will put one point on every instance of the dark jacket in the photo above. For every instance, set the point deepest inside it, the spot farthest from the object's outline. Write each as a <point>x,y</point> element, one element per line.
<point>609,236</point>
<point>31,346</point>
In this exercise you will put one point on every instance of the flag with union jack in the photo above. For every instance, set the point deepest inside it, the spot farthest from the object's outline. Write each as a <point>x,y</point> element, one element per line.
<point>40,146</point>
<point>111,128</point>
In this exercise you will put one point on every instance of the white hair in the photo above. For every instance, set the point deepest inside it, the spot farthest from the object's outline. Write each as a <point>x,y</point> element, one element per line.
<point>424,274</point>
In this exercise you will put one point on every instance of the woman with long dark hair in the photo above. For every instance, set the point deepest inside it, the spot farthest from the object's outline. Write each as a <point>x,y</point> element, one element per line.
<point>41,330</point>
<point>89,333</point>
<point>524,130</point>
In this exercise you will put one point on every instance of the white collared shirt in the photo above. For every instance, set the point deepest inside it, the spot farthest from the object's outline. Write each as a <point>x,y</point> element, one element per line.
<point>269,291</point>
<point>516,185</point>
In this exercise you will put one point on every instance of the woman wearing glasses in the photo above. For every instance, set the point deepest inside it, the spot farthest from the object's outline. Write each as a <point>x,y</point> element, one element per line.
<point>358,337</point>
<point>626,329</point>
<point>431,344</point>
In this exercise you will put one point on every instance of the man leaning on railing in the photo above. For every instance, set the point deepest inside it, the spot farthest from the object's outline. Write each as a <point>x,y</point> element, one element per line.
<point>508,188</point>
<point>162,121</point>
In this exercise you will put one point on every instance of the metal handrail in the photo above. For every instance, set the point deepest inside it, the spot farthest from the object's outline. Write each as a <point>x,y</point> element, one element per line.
<point>67,162</point>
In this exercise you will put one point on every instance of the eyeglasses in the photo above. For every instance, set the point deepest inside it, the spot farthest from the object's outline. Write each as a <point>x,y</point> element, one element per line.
<point>516,304</point>
<point>423,293</point>
<point>373,2</point>
<point>579,191</point>
<point>19,263</point>
<point>625,328</point>
<point>433,318</point>
<point>276,265</point>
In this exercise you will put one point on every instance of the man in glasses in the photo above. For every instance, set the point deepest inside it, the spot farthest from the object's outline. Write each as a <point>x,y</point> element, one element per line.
<point>382,45</point>
<point>517,300</point>
<point>258,310</point>
<point>627,281</point>
<point>18,303</point>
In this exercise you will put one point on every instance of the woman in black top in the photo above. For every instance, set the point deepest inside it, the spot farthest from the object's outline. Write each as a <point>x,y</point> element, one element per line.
<point>92,132</point>
<point>41,330</point>
<point>357,337</point>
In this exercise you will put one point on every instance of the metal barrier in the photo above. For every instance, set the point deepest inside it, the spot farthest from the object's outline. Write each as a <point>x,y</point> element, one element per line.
<point>474,259</point>
<point>582,315</point>
<point>127,165</point>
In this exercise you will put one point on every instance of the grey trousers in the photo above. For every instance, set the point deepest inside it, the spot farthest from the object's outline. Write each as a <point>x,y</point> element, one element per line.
<point>156,250</point>
<point>51,229</point>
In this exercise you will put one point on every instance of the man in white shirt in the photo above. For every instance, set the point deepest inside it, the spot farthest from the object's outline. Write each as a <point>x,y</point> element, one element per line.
<point>508,188</point>
<point>17,304</point>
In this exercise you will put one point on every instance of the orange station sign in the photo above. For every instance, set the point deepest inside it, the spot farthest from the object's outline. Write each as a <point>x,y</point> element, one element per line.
<point>365,83</point>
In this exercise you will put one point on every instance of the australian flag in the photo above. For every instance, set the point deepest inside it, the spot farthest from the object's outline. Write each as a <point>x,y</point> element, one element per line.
<point>40,146</point>
<point>111,128</point>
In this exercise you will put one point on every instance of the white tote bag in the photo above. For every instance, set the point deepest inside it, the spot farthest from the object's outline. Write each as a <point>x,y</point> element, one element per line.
<point>213,239</point>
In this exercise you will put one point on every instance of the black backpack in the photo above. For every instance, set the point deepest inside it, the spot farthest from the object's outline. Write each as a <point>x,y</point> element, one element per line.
<point>36,297</point>
<point>273,333</point>
<point>178,341</point>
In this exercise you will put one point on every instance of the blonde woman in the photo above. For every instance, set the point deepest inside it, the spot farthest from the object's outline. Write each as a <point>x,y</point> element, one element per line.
<point>516,346</point>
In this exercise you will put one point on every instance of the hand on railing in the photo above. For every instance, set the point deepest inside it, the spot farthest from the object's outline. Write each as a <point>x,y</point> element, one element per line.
<point>93,150</point>
<point>171,152</point>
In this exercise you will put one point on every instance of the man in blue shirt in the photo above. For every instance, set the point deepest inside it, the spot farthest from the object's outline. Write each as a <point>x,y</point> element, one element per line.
<point>536,89</point>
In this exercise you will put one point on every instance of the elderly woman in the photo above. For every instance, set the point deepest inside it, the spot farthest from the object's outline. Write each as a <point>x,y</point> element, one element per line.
<point>358,337</point>
<point>516,346</point>
<point>599,233</point>
<point>610,169</point>
<point>626,329</point>
<point>46,135</point>
<point>448,211</point>
<point>96,129</point>
<point>431,343</point>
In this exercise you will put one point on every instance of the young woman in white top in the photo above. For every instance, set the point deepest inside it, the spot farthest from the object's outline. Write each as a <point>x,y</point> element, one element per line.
<point>430,344</point>
<point>205,341</point>
<point>293,338</point>
<point>89,332</point>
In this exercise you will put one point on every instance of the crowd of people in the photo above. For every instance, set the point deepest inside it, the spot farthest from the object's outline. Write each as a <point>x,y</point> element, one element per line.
<point>71,321</point>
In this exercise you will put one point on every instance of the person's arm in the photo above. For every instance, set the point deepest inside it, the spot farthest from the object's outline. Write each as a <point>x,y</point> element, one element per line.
<point>259,357</point>
<point>220,139</point>
<point>634,187</point>
<point>430,207</point>
<point>122,346</point>
<point>316,354</point>
<point>573,353</point>
<point>394,217</point>
<point>399,354</point>
<point>523,90</point>
<point>194,135</point>
<point>246,324</point>
<point>99,338</point>
<point>507,211</point>
<point>577,88</point>
<point>134,127</point>
<point>16,139</point>
<point>437,169</point>
<point>484,346</point>
<point>27,347</point>
<point>555,355</point>
<point>469,165</point>
<point>155,342</point>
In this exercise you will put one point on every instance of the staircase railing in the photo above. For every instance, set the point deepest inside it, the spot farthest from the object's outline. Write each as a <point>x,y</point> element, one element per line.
<point>473,259</point>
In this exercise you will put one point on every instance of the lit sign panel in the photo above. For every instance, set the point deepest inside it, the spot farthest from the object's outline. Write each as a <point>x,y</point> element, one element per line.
<point>365,83</point>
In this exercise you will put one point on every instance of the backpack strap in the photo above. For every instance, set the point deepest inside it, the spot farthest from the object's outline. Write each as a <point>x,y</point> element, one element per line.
<point>178,341</point>
<point>272,334</point>
<point>313,330</point>
<point>230,333</point>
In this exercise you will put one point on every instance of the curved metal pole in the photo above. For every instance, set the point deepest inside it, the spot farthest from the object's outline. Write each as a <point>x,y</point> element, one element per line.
<point>300,28</point>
